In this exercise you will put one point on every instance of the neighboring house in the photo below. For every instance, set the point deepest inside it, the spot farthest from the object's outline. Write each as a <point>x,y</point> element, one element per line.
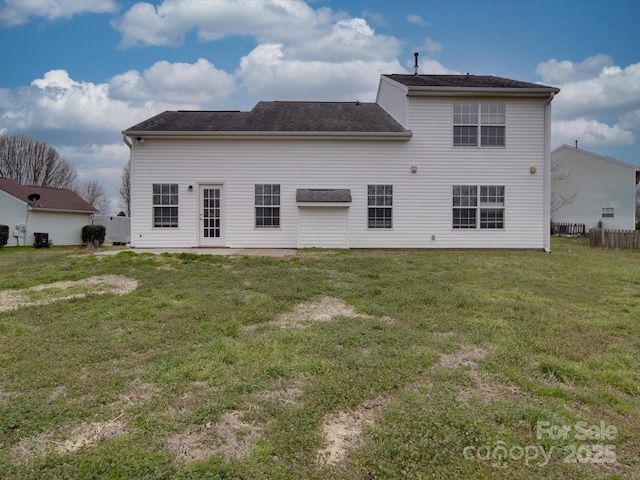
<point>27,210</point>
<point>438,161</point>
<point>117,228</point>
<point>589,188</point>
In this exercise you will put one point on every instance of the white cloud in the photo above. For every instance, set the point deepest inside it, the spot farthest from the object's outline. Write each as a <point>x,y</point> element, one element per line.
<point>590,133</point>
<point>431,46</point>
<point>268,74</point>
<point>416,20</point>
<point>599,102</point>
<point>18,12</point>
<point>566,71</point>
<point>199,83</point>
<point>266,21</point>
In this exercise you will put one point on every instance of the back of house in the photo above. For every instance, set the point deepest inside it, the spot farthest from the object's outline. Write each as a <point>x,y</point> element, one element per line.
<point>438,161</point>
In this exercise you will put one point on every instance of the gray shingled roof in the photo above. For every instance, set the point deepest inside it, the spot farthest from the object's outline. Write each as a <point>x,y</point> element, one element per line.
<point>50,198</point>
<point>465,81</point>
<point>342,117</point>
<point>314,195</point>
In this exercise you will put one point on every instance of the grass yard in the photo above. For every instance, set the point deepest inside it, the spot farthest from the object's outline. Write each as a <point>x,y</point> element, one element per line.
<point>340,365</point>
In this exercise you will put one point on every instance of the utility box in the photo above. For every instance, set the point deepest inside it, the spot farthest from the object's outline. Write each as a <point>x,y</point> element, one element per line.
<point>41,240</point>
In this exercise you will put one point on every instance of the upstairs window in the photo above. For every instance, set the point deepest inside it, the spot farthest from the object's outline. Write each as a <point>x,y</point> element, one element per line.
<point>267,205</point>
<point>165,205</point>
<point>479,124</point>
<point>380,203</point>
<point>608,212</point>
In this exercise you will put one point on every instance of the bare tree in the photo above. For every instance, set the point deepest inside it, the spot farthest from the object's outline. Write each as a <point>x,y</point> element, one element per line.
<point>125,189</point>
<point>34,162</point>
<point>559,200</point>
<point>93,193</point>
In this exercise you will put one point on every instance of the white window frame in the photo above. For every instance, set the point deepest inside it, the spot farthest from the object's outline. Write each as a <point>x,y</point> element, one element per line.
<point>379,207</point>
<point>480,124</point>
<point>165,200</point>
<point>478,207</point>
<point>267,205</point>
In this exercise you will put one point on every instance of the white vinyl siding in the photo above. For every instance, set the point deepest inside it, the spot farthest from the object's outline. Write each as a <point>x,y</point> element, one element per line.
<point>323,227</point>
<point>594,184</point>
<point>421,200</point>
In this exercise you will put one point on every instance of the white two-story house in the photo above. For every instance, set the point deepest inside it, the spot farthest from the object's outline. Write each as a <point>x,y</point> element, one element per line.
<point>438,161</point>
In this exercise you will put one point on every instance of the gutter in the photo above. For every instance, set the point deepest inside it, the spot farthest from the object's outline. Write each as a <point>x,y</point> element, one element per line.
<point>547,172</point>
<point>227,135</point>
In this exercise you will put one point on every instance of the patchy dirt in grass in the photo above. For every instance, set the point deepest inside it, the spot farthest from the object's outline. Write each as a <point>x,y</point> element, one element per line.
<point>231,437</point>
<point>323,310</point>
<point>465,357</point>
<point>83,435</point>
<point>138,393</point>
<point>483,388</point>
<point>288,392</point>
<point>487,392</point>
<point>54,292</point>
<point>342,431</point>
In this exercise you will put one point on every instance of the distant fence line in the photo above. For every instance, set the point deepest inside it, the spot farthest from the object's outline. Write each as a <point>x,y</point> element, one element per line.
<point>568,228</point>
<point>623,239</point>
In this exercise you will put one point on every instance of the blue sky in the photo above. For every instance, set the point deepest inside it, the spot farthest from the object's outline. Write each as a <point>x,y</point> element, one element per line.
<point>75,73</point>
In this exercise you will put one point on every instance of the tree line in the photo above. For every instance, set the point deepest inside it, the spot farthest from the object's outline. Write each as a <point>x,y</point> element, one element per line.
<point>33,162</point>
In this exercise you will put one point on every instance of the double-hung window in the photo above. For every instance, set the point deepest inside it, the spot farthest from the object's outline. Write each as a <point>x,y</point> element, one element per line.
<point>478,206</point>
<point>479,124</point>
<point>165,205</point>
<point>267,205</point>
<point>380,205</point>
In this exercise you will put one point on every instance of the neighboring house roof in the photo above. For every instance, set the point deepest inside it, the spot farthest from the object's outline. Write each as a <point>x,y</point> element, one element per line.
<point>279,117</point>
<point>58,199</point>
<point>426,83</point>
<point>594,155</point>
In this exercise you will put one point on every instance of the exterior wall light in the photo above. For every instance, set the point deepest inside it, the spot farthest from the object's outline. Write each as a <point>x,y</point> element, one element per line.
<point>190,188</point>
<point>414,169</point>
<point>532,169</point>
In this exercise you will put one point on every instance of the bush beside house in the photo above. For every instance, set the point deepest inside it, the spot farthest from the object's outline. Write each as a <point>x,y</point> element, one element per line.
<point>4,235</point>
<point>93,234</point>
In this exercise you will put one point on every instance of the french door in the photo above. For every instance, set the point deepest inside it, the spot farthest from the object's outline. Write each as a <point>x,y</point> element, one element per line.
<point>211,219</point>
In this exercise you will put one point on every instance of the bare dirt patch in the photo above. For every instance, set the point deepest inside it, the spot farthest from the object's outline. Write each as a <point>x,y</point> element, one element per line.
<point>342,431</point>
<point>231,437</point>
<point>465,357</point>
<point>83,435</point>
<point>57,291</point>
<point>323,310</point>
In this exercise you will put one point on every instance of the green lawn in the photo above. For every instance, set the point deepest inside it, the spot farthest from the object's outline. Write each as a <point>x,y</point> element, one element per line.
<point>336,364</point>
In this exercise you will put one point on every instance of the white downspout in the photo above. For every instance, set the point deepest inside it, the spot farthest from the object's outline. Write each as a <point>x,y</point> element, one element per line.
<point>547,174</point>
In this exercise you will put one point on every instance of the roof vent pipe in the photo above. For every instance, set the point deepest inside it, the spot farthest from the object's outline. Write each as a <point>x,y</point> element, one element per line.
<point>415,67</point>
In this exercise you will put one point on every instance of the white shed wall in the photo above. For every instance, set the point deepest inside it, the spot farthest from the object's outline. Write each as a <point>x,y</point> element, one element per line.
<point>12,213</point>
<point>422,202</point>
<point>597,182</point>
<point>63,228</point>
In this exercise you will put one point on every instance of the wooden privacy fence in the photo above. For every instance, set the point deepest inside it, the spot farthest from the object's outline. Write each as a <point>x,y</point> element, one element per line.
<point>625,239</point>
<point>568,228</point>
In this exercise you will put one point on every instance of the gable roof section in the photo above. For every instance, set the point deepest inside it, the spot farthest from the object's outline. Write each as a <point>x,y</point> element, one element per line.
<point>340,118</point>
<point>58,199</point>
<point>430,84</point>
<point>566,147</point>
